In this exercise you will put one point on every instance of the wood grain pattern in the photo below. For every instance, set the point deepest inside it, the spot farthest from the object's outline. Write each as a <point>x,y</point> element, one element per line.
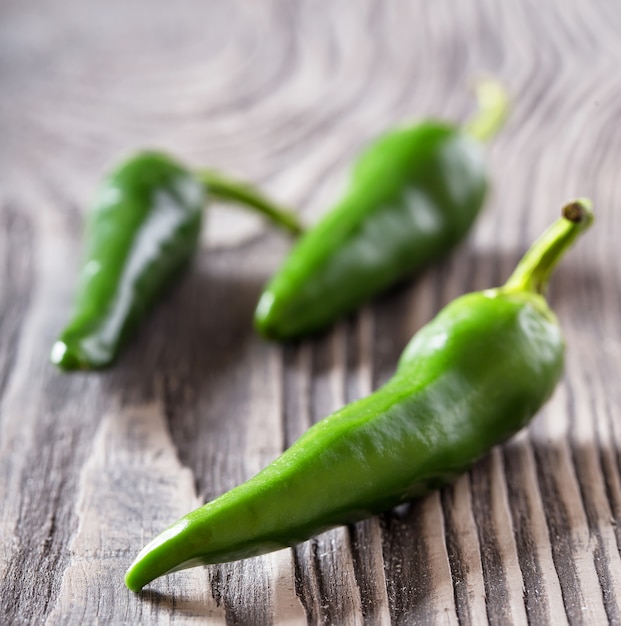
<point>285,93</point>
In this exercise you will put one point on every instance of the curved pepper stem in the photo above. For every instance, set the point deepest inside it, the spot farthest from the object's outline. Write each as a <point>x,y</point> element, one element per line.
<point>240,193</point>
<point>534,270</point>
<point>493,109</point>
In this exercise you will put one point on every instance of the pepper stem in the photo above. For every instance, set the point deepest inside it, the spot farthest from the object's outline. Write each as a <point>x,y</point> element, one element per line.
<point>241,193</point>
<point>534,270</point>
<point>493,109</point>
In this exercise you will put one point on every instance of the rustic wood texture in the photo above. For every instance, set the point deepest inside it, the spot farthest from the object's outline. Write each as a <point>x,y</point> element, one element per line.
<point>285,93</point>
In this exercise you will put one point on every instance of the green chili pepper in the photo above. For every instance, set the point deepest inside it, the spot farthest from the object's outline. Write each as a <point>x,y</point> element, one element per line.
<point>144,229</point>
<point>413,195</point>
<point>468,380</point>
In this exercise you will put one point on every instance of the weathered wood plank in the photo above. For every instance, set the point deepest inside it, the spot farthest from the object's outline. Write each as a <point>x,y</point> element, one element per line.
<point>286,93</point>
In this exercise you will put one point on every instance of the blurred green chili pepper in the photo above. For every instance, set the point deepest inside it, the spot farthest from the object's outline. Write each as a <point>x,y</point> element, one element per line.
<point>413,195</point>
<point>468,380</point>
<point>143,231</point>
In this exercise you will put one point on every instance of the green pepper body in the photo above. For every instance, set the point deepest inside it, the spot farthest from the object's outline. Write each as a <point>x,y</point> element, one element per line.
<point>412,196</point>
<point>467,381</point>
<point>143,230</point>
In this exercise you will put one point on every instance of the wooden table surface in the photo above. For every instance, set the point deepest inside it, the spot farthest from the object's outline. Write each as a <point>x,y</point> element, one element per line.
<point>285,93</point>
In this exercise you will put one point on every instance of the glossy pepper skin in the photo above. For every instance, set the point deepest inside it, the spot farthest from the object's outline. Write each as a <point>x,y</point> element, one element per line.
<point>413,195</point>
<point>142,232</point>
<point>468,380</point>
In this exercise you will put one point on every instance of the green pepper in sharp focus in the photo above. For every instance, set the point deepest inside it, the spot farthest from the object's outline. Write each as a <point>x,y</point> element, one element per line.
<point>143,231</point>
<point>412,196</point>
<point>468,380</point>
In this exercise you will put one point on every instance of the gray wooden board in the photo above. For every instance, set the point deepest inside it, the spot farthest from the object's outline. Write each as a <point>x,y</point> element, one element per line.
<point>286,93</point>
